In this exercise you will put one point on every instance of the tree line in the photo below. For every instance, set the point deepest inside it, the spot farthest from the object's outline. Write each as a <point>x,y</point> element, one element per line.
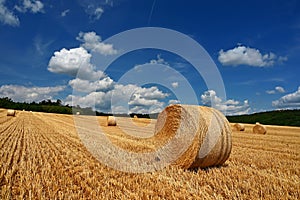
<point>50,106</point>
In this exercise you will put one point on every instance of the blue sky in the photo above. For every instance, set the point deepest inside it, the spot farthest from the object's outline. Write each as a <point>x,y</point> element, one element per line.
<point>255,46</point>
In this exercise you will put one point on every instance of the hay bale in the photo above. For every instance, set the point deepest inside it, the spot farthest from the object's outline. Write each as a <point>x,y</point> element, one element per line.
<point>207,128</point>
<point>111,121</point>
<point>77,113</point>
<point>259,129</point>
<point>11,112</point>
<point>135,116</point>
<point>238,127</point>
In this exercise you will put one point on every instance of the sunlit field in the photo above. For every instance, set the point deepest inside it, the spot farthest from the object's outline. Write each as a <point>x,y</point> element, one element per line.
<point>42,157</point>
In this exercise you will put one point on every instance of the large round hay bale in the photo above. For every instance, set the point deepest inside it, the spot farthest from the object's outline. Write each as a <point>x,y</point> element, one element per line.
<point>111,121</point>
<point>238,127</point>
<point>259,129</point>
<point>77,113</point>
<point>135,116</point>
<point>11,112</point>
<point>207,128</point>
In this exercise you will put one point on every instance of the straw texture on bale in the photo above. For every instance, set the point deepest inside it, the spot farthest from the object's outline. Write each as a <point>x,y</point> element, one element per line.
<point>11,112</point>
<point>238,127</point>
<point>209,128</point>
<point>259,129</point>
<point>111,121</point>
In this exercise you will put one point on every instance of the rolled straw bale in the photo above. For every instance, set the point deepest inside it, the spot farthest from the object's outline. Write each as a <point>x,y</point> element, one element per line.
<point>239,127</point>
<point>111,121</point>
<point>11,112</point>
<point>259,129</point>
<point>135,116</point>
<point>211,132</point>
<point>77,113</point>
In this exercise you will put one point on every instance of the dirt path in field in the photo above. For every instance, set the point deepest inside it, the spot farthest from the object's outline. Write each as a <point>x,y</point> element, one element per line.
<point>42,157</point>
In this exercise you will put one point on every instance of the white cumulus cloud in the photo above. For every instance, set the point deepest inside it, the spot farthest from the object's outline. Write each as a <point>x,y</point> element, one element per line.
<point>278,89</point>
<point>130,98</point>
<point>92,42</point>
<point>28,94</point>
<point>8,17</point>
<point>229,107</point>
<point>70,61</point>
<point>93,88</point>
<point>104,84</point>
<point>242,55</point>
<point>291,100</point>
<point>33,6</point>
<point>96,100</point>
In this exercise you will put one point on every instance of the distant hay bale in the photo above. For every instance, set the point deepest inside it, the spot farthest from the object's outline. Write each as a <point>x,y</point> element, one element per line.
<point>77,113</point>
<point>135,116</point>
<point>238,127</point>
<point>11,112</point>
<point>259,129</point>
<point>257,123</point>
<point>111,121</point>
<point>211,132</point>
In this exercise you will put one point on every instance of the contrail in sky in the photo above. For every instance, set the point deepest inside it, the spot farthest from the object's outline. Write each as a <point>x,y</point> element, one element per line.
<point>150,16</point>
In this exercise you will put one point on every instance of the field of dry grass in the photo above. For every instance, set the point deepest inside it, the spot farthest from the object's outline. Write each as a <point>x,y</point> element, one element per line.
<point>42,157</point>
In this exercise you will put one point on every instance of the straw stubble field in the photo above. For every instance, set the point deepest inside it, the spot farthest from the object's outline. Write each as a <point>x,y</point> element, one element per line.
<point>42,157</point>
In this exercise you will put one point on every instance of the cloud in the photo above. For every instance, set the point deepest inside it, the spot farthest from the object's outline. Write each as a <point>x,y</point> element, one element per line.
<point>105,84</point>
<point>94,12</point>
<point>28,94</point>
<point>229,107</point>
<point>33,6</point>
<point>65,12</point>
<point>125,98</point>
<point>242,55</point>
<point>291,100</point>
<point>97,13</point>
<point>141,99</point>
<point>174,101</point>
<point>8,17</point>
<point>156,61</point>
<point>151,93</point>
<point>95,89</point>
<point>96,100</point>
<point>95,8</point>
<point>270,91</point>
<point>175,85</point>
<point>70,61</point>
<point>278,89</point>
<point>92,42</point>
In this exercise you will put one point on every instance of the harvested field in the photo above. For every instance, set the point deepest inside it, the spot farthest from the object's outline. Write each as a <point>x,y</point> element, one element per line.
<point>42,157</point>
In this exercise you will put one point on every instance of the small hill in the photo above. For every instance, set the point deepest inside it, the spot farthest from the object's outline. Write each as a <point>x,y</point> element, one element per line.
<point>278,117</point>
